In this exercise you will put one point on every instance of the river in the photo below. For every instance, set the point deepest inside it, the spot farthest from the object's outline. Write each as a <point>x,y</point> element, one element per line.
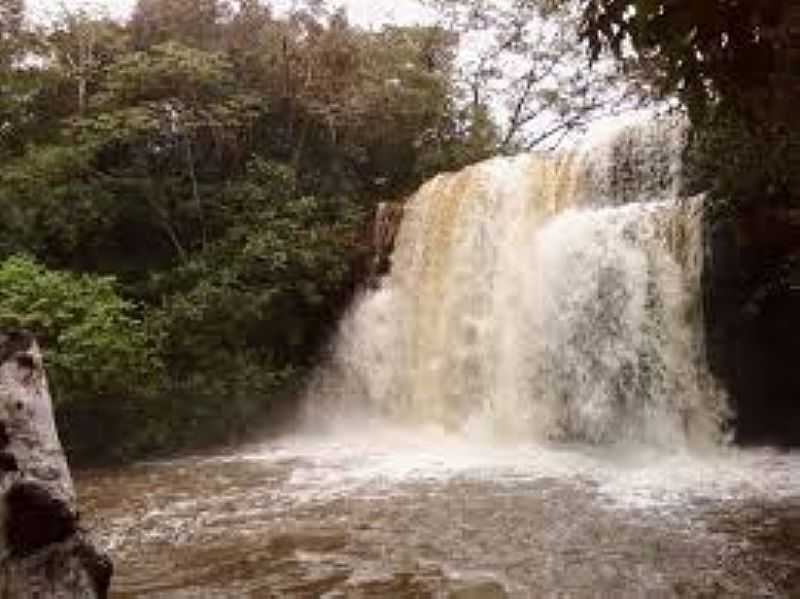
<point>426,515</point>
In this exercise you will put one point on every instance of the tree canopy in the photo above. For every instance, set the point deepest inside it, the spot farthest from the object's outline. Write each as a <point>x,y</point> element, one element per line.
<point>704,51</point>
<point>203,174</point>
<point>185,197</point>
<point>523,61</point>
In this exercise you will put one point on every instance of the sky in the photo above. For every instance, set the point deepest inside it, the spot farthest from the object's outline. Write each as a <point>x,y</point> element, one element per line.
<point>366,13</point>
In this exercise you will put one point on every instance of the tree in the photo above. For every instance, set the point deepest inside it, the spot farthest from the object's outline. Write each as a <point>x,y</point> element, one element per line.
<point>349,106</point>
<point>162,120</point>
<point>219,163</point>
<point>706,51</point>
<point>195,23</point>
<point>94,344</point>
<point>523,60</point>
<point>12,13</point>
<point>14,82</point>
<point>735,66</point>
<point>80,48</point>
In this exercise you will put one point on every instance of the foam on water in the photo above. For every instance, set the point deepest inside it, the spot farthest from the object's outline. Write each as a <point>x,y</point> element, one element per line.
<point>353,462</point>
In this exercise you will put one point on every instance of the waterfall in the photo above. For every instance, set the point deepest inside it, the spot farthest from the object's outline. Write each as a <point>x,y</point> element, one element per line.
<point>545,296</point>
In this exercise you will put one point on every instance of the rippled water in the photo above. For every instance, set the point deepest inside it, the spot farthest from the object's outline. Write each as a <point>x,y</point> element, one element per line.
<point>394,515</point>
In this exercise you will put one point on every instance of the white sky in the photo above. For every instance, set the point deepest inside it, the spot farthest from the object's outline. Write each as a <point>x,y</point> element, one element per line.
<point>366,13</point>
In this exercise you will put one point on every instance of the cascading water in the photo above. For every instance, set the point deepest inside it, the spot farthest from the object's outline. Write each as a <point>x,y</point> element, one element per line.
<point>546,296</point>
<point>531,299</point>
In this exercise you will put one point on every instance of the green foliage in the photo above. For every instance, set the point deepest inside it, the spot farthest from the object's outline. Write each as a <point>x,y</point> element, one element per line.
<point>703,50</point>
<point>195,23</point>
<point>11,16</point>
<point>193,188</point>
<point>95,346</point>
<point>742,165</point>
<point>272,281</point>
<point>168,70</point>
<point>52,203</point>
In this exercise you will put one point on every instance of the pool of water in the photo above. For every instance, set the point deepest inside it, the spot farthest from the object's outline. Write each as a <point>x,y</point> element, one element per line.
<point>392,514</point>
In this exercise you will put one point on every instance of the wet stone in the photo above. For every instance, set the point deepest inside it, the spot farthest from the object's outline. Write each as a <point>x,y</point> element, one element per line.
<point>479,590</point>
<point>8,463</point>
<point>36,519</point>
<point>4,438</point>
<point>43,553</point>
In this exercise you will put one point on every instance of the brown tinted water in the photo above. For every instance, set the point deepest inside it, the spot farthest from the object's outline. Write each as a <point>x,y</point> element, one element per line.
<point>388,515</point>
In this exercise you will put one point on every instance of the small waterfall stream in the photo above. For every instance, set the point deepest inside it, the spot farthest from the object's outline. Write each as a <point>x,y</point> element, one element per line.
<point>542,297</point>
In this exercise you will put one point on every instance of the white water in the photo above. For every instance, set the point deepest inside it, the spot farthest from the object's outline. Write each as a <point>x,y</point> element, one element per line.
<point>383,512</point>
<point>529,299</point>
<point>500,409</point>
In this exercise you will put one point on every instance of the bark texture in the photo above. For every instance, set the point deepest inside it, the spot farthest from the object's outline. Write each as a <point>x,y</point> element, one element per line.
<point>43,551</point>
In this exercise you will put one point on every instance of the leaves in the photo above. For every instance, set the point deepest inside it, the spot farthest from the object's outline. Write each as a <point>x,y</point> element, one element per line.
<point>192,189</point>
<point>524,62</point>
<point>94,344</point>
<point>709,50</point>
<point>269,282</point>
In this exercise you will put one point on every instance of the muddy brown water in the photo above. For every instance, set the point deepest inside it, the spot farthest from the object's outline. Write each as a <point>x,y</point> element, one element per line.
<point>404,516</point>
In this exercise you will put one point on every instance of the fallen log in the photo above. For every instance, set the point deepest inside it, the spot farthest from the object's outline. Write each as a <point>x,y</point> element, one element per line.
<point>44,553</point>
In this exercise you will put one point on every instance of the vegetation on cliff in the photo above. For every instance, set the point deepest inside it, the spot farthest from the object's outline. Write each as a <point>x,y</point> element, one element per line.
<point>185,197</point>
<point>185,194</point>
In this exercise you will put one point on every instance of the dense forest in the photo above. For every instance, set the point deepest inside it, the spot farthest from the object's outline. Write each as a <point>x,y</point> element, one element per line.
<point>186,196</point>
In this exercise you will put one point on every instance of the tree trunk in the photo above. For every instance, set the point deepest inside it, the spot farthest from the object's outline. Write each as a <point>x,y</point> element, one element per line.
<point>44,553</point>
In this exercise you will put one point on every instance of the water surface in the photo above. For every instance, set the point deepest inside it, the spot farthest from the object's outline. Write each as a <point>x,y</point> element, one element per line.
<point>394,515</point>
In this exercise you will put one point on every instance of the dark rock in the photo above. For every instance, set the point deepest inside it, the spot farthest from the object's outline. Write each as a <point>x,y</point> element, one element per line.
<point>4,438</point>
<point>35,519</point>
<point>385,226</point>
<point>751,285</point>
<point>43,554</point>
<point>479,590</point>
<point>98,565</point>
<point>8,463</point>
<point>14,342</point>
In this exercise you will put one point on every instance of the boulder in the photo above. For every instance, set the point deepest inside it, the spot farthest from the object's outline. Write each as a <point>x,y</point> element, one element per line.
<point>385,226</point>
<point>44,552</point>
<point>751,283</point>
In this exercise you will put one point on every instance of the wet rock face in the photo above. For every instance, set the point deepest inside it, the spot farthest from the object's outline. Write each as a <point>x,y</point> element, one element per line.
<point>385,226</point>
<point>36,519</point>
<point>752,307</point>
<point>43,551</point>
